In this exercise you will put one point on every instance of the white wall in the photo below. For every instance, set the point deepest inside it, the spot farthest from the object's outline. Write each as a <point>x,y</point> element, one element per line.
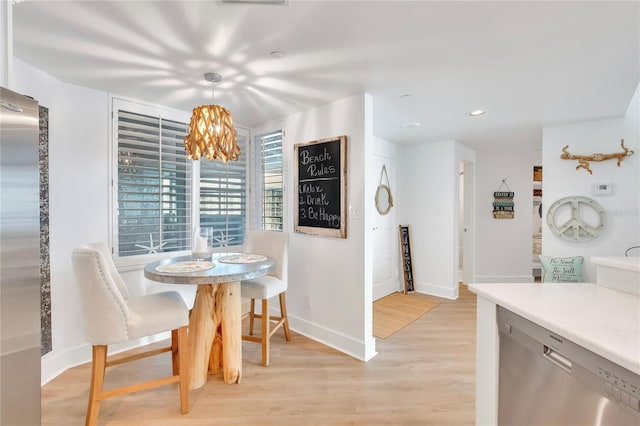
<point>632,121</point>
<point>503,247</point>
<point>561,179</point>
<point>78,185</point>
<point>428,203</point>
<point>79,177</point>
<point>335,273</point>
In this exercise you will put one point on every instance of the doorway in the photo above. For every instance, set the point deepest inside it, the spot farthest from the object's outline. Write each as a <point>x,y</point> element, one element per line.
<point>466,222</point>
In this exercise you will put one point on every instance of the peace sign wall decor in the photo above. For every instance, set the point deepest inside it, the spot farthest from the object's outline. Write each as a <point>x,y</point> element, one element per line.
<point>576,227</point>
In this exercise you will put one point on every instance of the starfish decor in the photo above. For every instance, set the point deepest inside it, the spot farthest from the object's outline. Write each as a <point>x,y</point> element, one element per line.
<point>152,249</point>
<point>222,240</point>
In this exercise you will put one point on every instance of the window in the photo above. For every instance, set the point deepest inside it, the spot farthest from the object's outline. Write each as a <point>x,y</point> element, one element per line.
<point>155,185</point>
<point>269,182</point>
<point>223,205</point>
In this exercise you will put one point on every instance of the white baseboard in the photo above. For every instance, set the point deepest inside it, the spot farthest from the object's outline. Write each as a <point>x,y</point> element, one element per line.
<point>504,279</point>
<point>362,351</point>
<point>436,290</point>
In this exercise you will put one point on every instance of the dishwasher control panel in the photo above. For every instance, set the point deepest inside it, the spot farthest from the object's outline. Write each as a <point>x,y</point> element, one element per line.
<point>621,388</point>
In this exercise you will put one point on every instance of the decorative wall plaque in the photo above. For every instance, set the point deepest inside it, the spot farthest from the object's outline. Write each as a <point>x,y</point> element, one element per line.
<point>503,202</point>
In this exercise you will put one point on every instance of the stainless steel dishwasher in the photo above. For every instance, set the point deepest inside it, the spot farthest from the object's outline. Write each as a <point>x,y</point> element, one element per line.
<point>546,379</point>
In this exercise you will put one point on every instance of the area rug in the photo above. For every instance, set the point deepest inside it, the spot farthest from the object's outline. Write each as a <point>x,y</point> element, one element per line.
<point>394,312</point>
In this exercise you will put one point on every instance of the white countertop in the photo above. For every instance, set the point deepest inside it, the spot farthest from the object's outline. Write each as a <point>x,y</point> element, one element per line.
<point>600,319</point>
<point>627,263</point>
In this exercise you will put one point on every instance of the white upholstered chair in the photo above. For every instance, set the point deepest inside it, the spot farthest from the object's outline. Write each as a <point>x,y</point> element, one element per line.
<point>275,245</point>
<point>111,316</point>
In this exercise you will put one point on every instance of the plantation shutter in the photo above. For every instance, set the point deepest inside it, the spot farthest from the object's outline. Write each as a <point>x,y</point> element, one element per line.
<point>270,182</point>
<point>223,202</point>
<point>153,185</point>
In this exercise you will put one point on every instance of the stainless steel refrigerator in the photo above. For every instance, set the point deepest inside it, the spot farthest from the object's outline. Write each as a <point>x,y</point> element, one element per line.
<point>19,261</point>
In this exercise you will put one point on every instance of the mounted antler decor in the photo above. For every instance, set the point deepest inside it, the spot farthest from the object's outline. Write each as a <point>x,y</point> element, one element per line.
<point>583,160</point>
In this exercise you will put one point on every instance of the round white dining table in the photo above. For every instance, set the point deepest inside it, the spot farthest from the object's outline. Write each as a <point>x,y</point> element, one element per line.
<point>215,322</point>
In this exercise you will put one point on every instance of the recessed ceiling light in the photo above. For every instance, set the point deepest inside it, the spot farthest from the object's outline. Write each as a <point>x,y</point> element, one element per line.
<point>411,125</point>
<point>277,54</point>
<point>476,113</point>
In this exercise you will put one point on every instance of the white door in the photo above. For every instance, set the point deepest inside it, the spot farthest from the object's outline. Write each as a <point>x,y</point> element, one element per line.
<point>385,238</point>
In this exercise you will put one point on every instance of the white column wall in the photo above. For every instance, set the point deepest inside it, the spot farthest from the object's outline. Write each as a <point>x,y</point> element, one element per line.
<point>331,272</point>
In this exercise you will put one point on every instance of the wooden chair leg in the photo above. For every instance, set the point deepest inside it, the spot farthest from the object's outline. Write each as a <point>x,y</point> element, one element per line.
<point>183,361</point>
<point>98,365</point>
<point>252,315</point>
<point>265,321</point>
<point>283,315</point>
<point>175,356</point>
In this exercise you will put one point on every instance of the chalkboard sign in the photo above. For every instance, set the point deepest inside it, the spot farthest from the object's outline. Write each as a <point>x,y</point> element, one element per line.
<point>405,255</point>
<point>321,185</point>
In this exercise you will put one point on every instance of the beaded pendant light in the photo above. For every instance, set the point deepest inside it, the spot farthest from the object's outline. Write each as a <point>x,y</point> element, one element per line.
<point>211,131</point>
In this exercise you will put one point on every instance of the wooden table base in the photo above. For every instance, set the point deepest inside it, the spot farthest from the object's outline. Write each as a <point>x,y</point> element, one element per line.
<point>215,334</point>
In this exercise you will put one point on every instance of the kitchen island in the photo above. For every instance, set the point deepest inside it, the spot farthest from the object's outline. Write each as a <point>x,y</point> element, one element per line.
<point>600,319</point>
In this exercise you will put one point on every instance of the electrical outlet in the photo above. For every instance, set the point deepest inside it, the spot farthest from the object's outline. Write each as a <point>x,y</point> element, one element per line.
<point>307,301</point>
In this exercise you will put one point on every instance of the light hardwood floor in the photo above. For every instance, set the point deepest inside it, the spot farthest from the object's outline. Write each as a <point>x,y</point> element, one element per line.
<point>422,375</point>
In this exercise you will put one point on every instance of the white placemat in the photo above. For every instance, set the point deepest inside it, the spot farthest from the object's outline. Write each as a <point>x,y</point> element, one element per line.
<point>242,258</point>
<point>181,267</point>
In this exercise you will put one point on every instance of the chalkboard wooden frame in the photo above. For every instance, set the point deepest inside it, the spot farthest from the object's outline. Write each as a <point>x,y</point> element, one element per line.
<point>321,184</point>
<point>405,257</point>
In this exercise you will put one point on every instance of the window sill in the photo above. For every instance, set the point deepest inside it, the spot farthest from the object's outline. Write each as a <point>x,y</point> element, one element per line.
<point>137,263</point>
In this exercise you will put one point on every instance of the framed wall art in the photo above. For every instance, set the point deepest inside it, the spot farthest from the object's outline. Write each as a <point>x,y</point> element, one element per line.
<point>321,187</point>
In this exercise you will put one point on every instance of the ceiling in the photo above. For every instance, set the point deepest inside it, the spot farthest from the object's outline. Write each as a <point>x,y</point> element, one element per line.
<point>527,64</point>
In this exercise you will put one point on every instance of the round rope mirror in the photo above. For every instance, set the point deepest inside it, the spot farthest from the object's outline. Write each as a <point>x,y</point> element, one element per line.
<point>384,199</point>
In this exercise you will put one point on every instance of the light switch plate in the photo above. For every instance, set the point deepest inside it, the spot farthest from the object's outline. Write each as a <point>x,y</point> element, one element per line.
<point>353,213</point>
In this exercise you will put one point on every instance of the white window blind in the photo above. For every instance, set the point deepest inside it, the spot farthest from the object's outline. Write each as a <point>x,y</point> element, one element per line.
<point>159,195</point>
<point>154,180</point>
<point>223,201</point>
<point>269,183</point>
